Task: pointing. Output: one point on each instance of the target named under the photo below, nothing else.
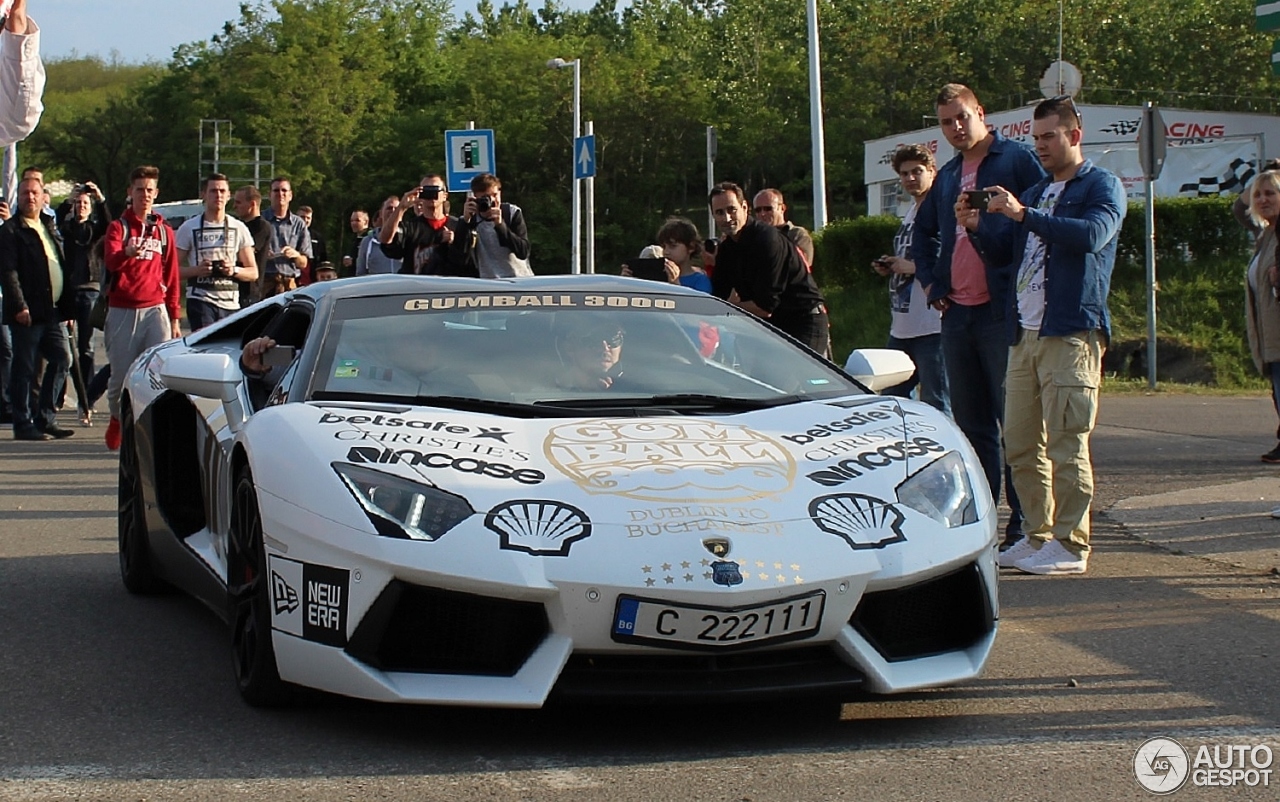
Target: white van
(175, 212)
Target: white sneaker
(1022, 549)
(1052, 559)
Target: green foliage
(354, 95)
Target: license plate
(689, 626)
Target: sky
(137, 30)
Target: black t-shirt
(765, 267)
(260, 230)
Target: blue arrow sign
(584, 156)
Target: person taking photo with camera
(421, 240)
(215, 256)
(494, 241)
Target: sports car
(505, 493)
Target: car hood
(824, 472)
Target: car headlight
(942, 491)
(402, 508)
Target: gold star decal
(684, 564)
(777, 566)
(666, 566)
(759, 564)
(795, 567)
(688, 577)
(764, 576)
(648, 583)
(706, 574)
(705, 562)
(799, 581)
(646, 568)
(781, 578)
(670, 580)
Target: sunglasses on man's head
(1071, 103)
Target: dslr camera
(484, 203)
(220, 267)
(430, 192)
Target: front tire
(248, 587)
(136, 568)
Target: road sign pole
(575, 253)
(1151, 155)
(711, 177)
(591, 210)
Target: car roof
(397, 284)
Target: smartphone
(979, 198)
(279, 356)
(652, 269)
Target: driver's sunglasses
(1071, 103)
(588, 339)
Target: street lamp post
(575, 257)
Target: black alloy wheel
(248, 588)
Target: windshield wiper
(458, 402)
(681, 401)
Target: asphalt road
(1175, 631)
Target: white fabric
(202, 240)
(1031, 281)
(21, 83)
(910, 314)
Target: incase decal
(853, 467)
(495, 470)
(309, 601)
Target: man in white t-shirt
(1062, 250)
(215, 256)
(915, 327)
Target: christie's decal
(853, 467)
(370, 455)
(667, 460)
(859, 442)
(309, 601)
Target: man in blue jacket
(970, 286)
(1062, 248)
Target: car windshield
(571, 350)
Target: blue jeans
(49, 340)
(931, 371)
(976, 351)
(202, 313)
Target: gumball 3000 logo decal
(661, 461)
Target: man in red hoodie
(144, 301)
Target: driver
(590, 348)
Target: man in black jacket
(762, 272)
(38, 296)
(423, 239)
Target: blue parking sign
(467, 154)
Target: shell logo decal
(662, 461)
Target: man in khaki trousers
(1060, 259)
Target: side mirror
(214, 376)
(879, 368)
